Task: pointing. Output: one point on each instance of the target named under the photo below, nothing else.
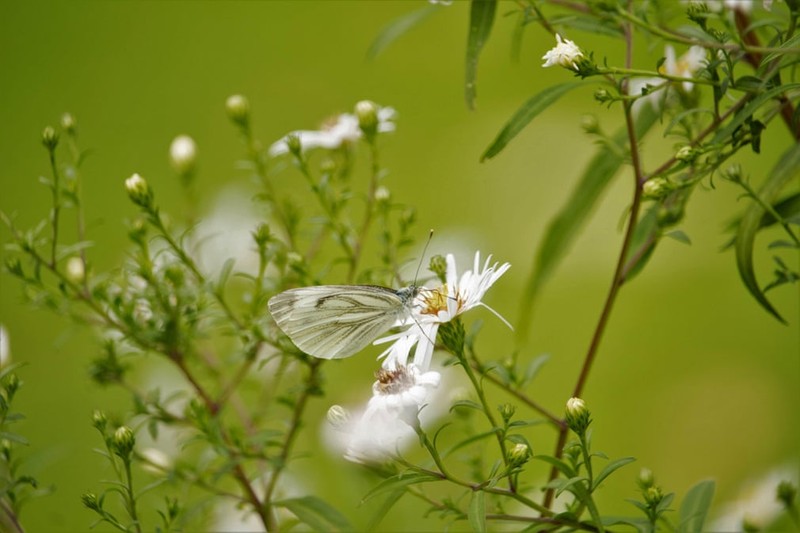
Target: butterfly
(336, 321)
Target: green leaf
(477, 511)
(791, 43)
(316, 513)
(399, 481)
(643, 243)
(695, 505)
(481, 18)
(560, 465)
(397, 28)
(679, 236)
(788, 208)
(564, 228)
(747, 111)
(533, 368)
(225, 273)
(385, 507)
(787, 168)
(610, 468)
(527, 112)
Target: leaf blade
(695, 505)
(527, 112)
(481, 19)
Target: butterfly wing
(335, 321)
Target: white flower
(564, 54)
(385, 426)
(436, 306)
(75, 270)
(5, 347)
(182, 154)
(342, 130)
(756, 502)
(685, 66)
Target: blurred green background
(693, 378)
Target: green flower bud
(438, 265)
(656, 188)
(787, 494)
(294, 144)
(577, 415)
(14, 266)
(12, 382)
(137, 231)
(507, 411)
(175, 275)
(686, 153)
(50, 138)
(367, 114)
(238, 109)
(99, 420)
(519, 454)
(262, 235)
(590, 124)
(123, 441)
(602, 96)
(139, 191)
(653, 496)
(89, 500)
(646, 478)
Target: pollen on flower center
(435, 300)
(394, 381)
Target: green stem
(56, 205)
(131, 503)
(358, 246)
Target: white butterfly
(336, 321)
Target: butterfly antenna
(422, 257)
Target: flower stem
(131, 498)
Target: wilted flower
(565, 54)
(343, 129)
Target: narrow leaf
(399, 481)
(787, 168)
(679, 236)
(747, 111)
(560, 465)
(477, 511)
(564, 228)
(610, 468)
(525, 114)
(481, 18)
(385, 507)
(316, 513)
(694, 507)
(397, 28)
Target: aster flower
(565, 54)
(386, 425)
(341, 130)
(685, 66)
(442, 304)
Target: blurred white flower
(756, 502)
(5, 347)
(74, 269)
(565, 54)
(182, 154)
(231, 516)
(155, 461)
(685, 66)
(343, 129)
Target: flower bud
(89, 500)
(507, 411)
(438, 265)
(653, 496)
(50, 138)
(338, 416)
(182, 154)
(590, 124)
(137, 231)
(646, 478)
(656, 188)
(123, 441)
(238, 109)
(367, 114)
(75, 270)
(68, 123)
(99, 420)
(602, 96)
(262, 235)
(294, 144)
(519, 454)
(139, 191)
(14, 266)
(686, 153)
(577, 415)
(5, 347)
(12, 384)
(382, 194)
(787, 494)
